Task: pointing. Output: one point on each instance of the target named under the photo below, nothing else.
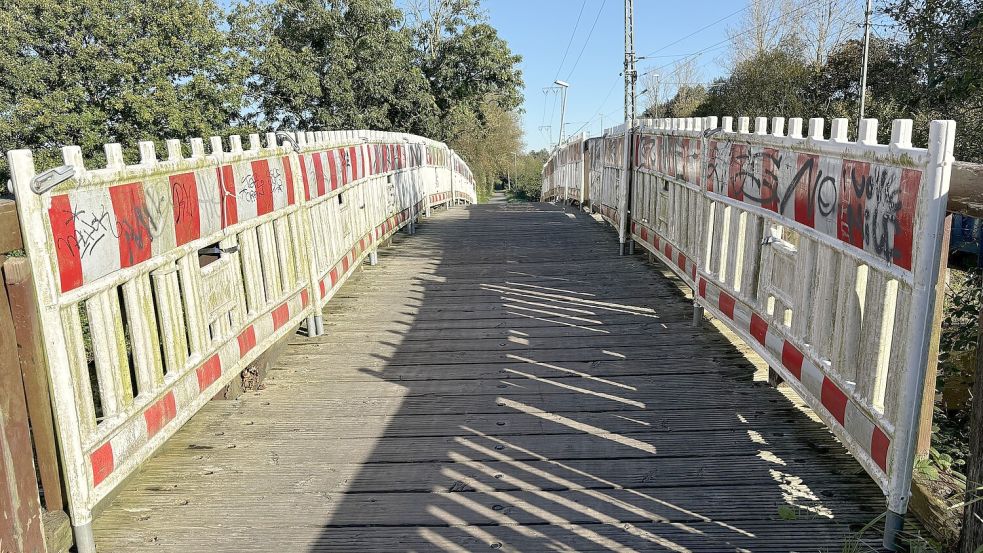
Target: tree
(486, 138)
(527, 180)
(764, 25)
(334, 64)
(432, 20)
(771, 83)
(87, 72)
(465, 62)
(829, 23)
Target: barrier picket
(820, 252)
(158, 282)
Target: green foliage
(342, 64)
(89, 72)
(767, 84)
(527, 176)
(487, 138)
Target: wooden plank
(429, 415)
(966, 189)
(10, 238)
(20, 505)
(33, 366)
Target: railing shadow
(545, 394)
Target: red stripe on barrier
(344, 264)
(323, 291)
(805, 203)
(159, 414)
(759, 328)
(263, 185)
(319, 172)
(879, 446)
(726, 304)
(342, 162)
(184, 200)
(305, 298)
(792, 359)
(834, 400)
(280, 316)
(703, 287)
(131, 223)
(288, 176)
(247, 340)
(668, 250)
(102, 463)
(353, 161)
(209, 372)
(304, 177)
(769, 179)
(681, 262)
(227, 189)
(62, 220)
(910, 180)
(850, 218)
(736, 174)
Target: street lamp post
(563, 109)
(563, 106)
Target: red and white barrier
(821, 252)
(159, 282)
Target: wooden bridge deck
(501, 380)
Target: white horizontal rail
(159, 282)
(820, 252)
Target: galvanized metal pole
(863, 71)
(563, 110)
(630, 78)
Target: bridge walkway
(502, 380)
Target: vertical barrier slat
(189, 275)
(109, 348)
(252, 276)
(145, 343)
(79, 370)
(170, 312)
(802, 295)
(822, 316)
(872, 355)
(851, 297)
(283, 249)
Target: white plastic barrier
(563, 173)
(821, 253)
(159, 282)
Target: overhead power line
(696, 32)
(587, 41)
(569, 42)
(744, 32)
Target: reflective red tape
(102, 463)
(159, 414)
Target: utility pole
(630, 74)
(626, 242)
(863, 71)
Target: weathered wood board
(438, 413)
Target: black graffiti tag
(821, 189)
(875, 215)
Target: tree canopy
(89, 72)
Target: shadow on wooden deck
(502, 381)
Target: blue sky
(539, 30)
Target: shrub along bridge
(499, 378)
